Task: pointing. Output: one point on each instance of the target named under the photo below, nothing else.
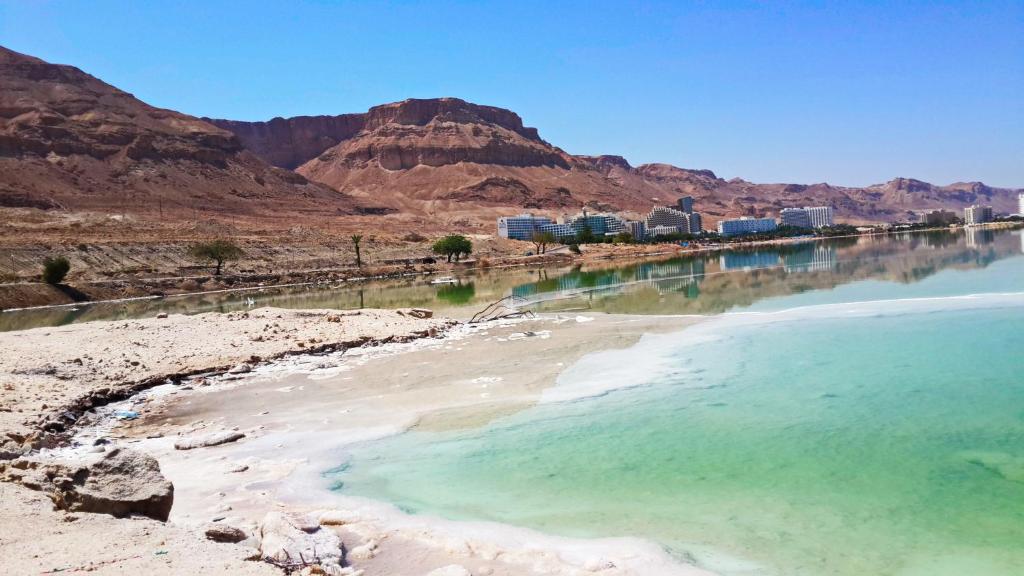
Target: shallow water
(877, 428)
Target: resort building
(599, 224)
(1020, 204)
(795, 217)
(521, 227)
(977, 215)
(807, 217)
(662, 216)
(656, 231)
(696, 225)
(746, 225)
(939, 218)
(685, 204)
(560, 231)
(637, 229)
(820, 216)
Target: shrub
(218, 251)
(574, 248)
(55, 269)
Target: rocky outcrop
(121, 483)
(291, 142)
(69, 140)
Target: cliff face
(291, 142)
(446, 155)
(69, 140)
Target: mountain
(451, 159)
(70, 141)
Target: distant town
(681, 222)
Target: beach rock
(240, 369)
(421, 313)
(364, 551)
(214, 439)
(161, 315)
(122, 483)
(337, 518)
(281, 540)
(224, 533)
(450, 570)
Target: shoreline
(592, 254)
(282, 442)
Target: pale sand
(298, 412)
(44, 370)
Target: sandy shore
(299, 412)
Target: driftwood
(500, 310)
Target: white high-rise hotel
(807, 217)
(1020, 204)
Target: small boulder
(421, 313)
(214, 439)
(224, 533)
(240, 369)
(122, 483)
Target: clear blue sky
(772, 92)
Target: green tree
(453, 246)
(585, 235)
(575, 248)
(356, 239)
(541, 240)
(623, 238)
(55, 269)
(218, 251)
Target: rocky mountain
(71, 141)
(450, 158)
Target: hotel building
(807, 217)
(745, 225)
(977, 215)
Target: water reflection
(700, 284)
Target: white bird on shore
(249, 301)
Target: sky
(852, 93)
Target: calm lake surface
(705, 283)
(858, 410)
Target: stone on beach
(337, 517)
(122, 483)
(224, 533)
(285, 540)
(214, 439)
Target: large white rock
(283, 540)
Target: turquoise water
(807, 437)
